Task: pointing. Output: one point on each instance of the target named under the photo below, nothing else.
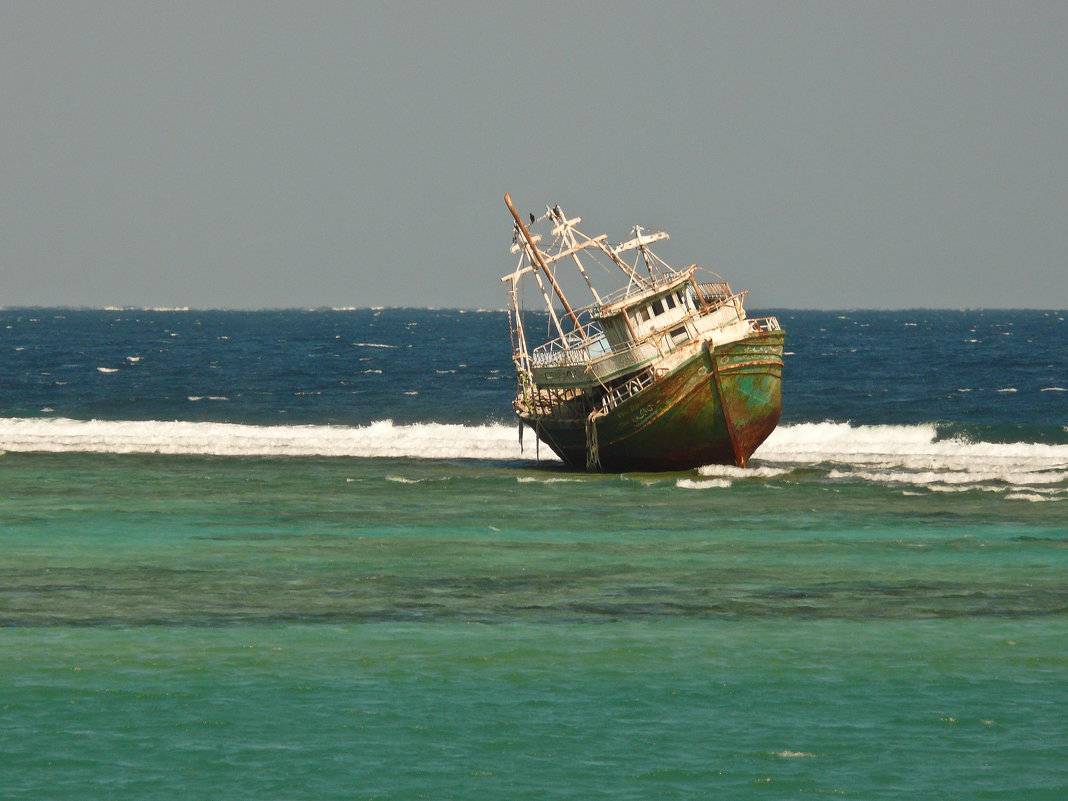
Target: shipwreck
(662, 372)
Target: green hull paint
(715, 408)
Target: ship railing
(626, 390)
(760, 324)
(710, 293)
(553, 402)
(604, 366)
(650, 283)
(576, 347)
(715, 292)
(602, 361)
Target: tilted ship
(664, 372)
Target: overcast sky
(250, 155)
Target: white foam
(912, 454)
(381, 439)
(534, 480)
(807, 442)
(730, 471)
(714, 483)
(937, 487)
(901, 455)
(951, 477)
(1032, 497)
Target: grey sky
(247, 155)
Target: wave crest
(380, 439)
(913, 454)
(893, 455)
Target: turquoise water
(303, 555)
(316, 628)
(674, 709)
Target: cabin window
(679, 335)
(670, 301)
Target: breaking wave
(381, 439)
(916, 455)
(895, 455)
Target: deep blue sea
(304, 555)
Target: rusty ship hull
(666, 371)
(716, 407)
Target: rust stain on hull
(717, 408)
(665, 372)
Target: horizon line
(483, 310)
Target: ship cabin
(643, 315)
(627, 334)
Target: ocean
(306, 555)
